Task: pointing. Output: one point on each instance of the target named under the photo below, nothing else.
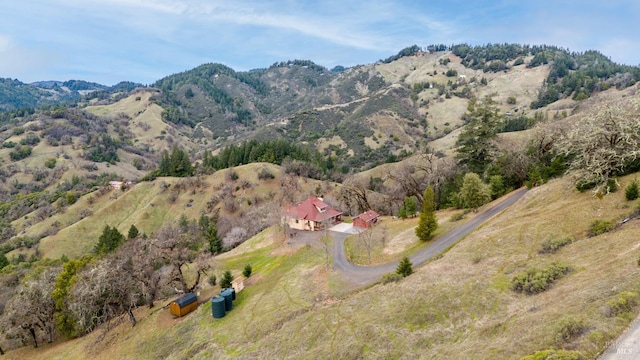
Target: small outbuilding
(184, 305)
(366, 220)
(238, 284)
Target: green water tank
(228, 298)
(218, 307)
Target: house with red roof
(366, 220)
(311, 215)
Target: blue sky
(108, 41)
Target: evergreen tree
(165, 164)
(110, 239)
(408, 208)
(226, 280)
(209, 228)
(133, 232)
(476, 139)
(474, 193)
(247, 271)
(405, 267)
(428, 223)
(632, 191)
(3, 261)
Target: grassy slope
(458, 305)
(145, 205)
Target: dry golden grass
(147, 205)
(143, 113)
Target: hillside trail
(366, 275)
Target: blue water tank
(218, 307)
(228, 298)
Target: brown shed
(366, 220)
(184, 305)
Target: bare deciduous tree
(354, 192)
(29, 314)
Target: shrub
(552, 245)
(391, 277)
(535, 281)
(612, 185)
(568, 329)
(265, 174)
(458, 216)
(632, 192)
(20, 153)
(212, 280)
(555, 355)
(50, 163)
(231, 175)
(625, 302)
(71, 198)
(247, 271)
(600, 226)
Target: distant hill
(18, 95)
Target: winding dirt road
(363, 275)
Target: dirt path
(362, 275)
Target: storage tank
(218, 307)
(228, 297)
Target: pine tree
(165, 164)
(247, 271)
(209, 229)
(476, 139)
(632, 191)
(133, 232)
(226, 280)
(405, 267)
(428, 223)
(110, 239)
(3, 261)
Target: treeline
(408, 51)
(272, 151)
(306, 63)
(580, 75)
(573, 74)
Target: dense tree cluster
(306, 63)
(102, 148)
(271, 151)
(580, 75)
(175, 164)
(203, 78)
(408, 51)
